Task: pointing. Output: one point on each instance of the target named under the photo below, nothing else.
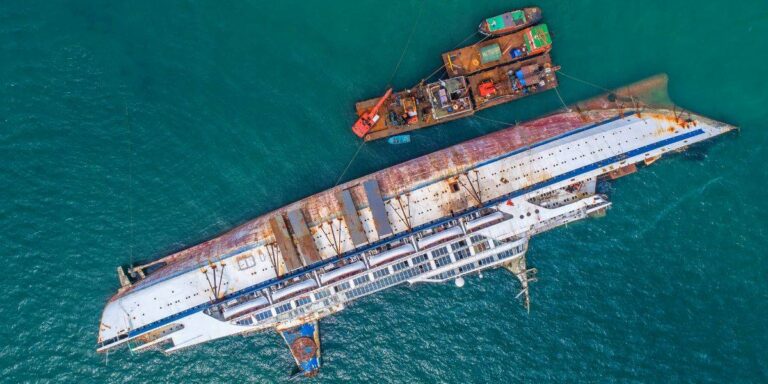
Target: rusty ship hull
(440, 217)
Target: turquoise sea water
(129, 130)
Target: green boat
(510, 21)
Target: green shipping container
(537, 37)
(490, 53)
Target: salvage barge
(482, 75)
(452, 213)
(429, 104)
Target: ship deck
(462, 94)
(419, 107)
(538, 75)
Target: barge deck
(501, 50)
(454, 98)
(512, 81)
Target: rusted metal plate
(284, 242)
(349, 213)
(376, 204)
(303, 237)
(623, 171)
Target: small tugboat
(509, 22)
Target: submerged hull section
(452, 213)
(304, 343)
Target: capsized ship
(441, 217)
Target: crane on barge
(369, 119)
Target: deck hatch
(303, 237)
(349, 212)
(284, 242)
(379, 213)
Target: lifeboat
(294, 289)
(340, 272)
(248, 306)
(391, 254)
(484, 221)
(439, 237)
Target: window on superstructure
(458, 244)
(302, 301)
(485, 261)
(380, 273)
(343, 286)
(246, 321)
(322, 294)
(400, 266)
(504, 254)
(361, 280)
(445, 260)
(461, 254)
(440, 252)
(283, 308)
(245, 262)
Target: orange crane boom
(368, 119)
